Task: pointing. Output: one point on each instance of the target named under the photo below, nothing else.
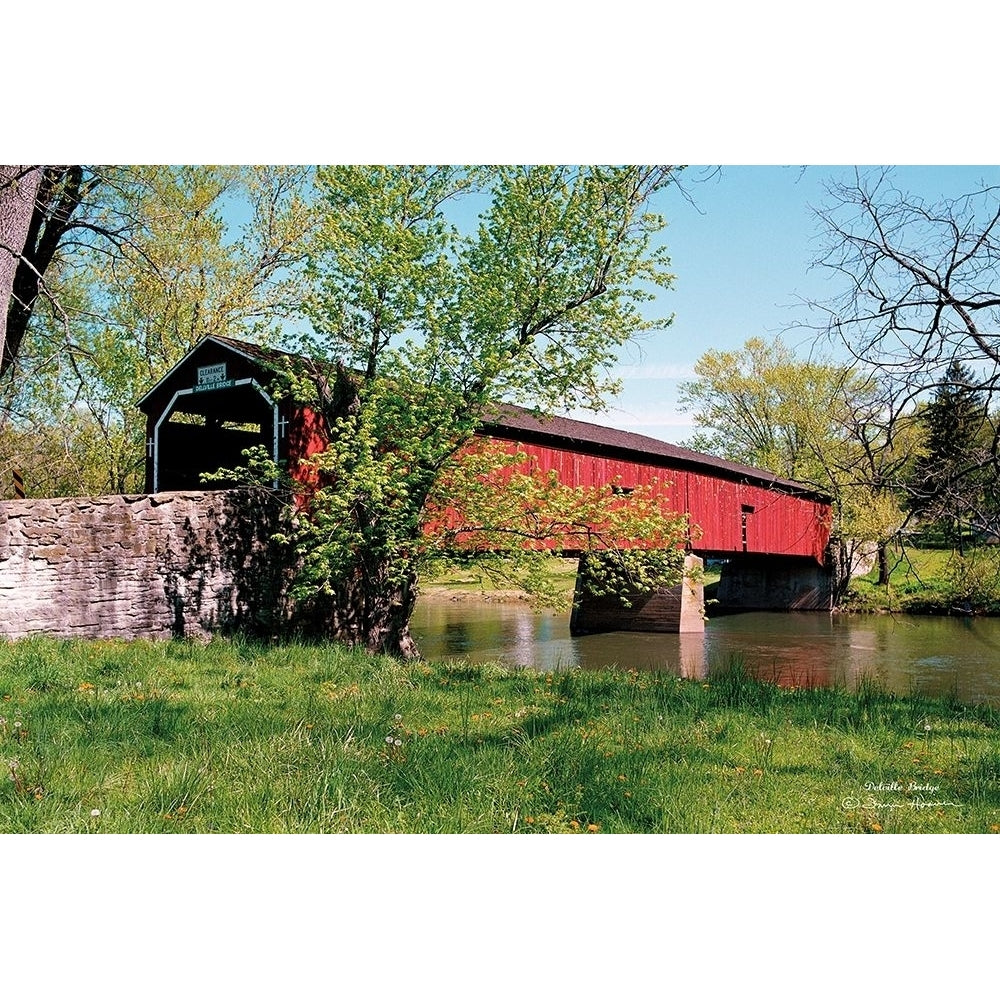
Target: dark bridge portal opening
(203, 431)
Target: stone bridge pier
(669, 609)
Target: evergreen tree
(951, 482)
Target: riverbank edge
(446, 595)
(857, 602)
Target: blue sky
(741, 240)
(741, 251)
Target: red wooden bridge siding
(736, 509)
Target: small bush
(972, 581)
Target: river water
(905, 654)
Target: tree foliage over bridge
(531, 305)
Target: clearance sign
(212, 377)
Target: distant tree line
(904, 433)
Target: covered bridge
(772, 533)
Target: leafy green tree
(842, 430)
(56, 458)
(431, 329)
(763, 406)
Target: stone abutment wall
(186, 564)
(776, 583)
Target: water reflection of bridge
(925, 655)
(482, 630)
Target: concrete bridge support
(668, 609)
(775, 583)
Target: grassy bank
(140, 737)
(460, 584)
(933, 581)
(472, 582)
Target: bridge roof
(515, 422)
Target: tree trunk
(372, 600)
(370, 609)
(838, 563)
(18, 190)
(55, 194)
(883, 564)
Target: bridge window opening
(235, 425)
(745, 511)
(622, 491)
(189, 419)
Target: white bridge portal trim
(198, 391)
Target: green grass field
(475, 580)
(141, 737)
